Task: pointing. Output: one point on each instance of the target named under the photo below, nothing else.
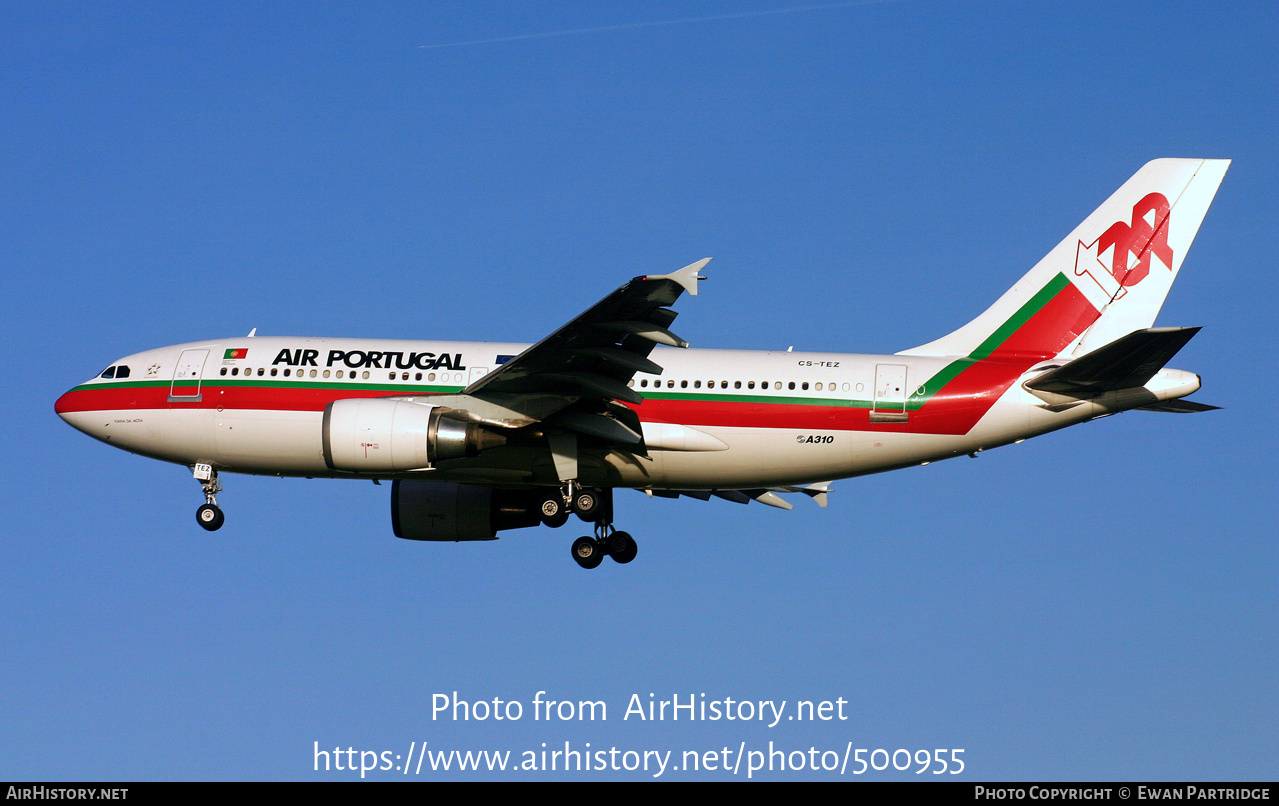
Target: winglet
(686, 277)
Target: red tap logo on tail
(1133, 243)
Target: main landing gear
(589, 551)
(592, 506)
(208, 515)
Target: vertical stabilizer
(1107, 278)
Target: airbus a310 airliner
(483, 437)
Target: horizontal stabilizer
(1179, 407)
(1126, 363)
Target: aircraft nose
(64, 404)
(73, 411)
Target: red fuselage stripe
(954, 409)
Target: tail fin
(1106, 279)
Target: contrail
(654, 24)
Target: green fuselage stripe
(992, 342)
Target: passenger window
(791, 386)
(326, 373)
(764, 385)
(274, 372)
(235, 371)
(683, 384)
(431, 377)
(417, 377)
(805, 386)
(109, 372)
(819, 386)
(750, 385)
(392, 376)
(312, 373)
(631, 383)
(697, 384)
(222, 371)
(366, 374)
(670, 384)
(286, 372)
(644, 383)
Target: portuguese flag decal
(239, 352)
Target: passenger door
(186, 377)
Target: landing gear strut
(208, 515)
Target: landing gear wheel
(210, 517)
(621, 547)
(587, 552)
(552, 511)
(587, 505)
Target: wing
(575, 375)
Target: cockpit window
(109, 372)
(122, 371)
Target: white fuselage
(255, 405)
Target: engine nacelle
(424, 510)
(376, 435)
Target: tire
(621, 547)
(552, 511)
(587, 553)
(210, 517)
(587, 505)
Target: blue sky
(1093, 604)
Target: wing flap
(621, 359)
(645, 330)
(768, 495)
(601, 427)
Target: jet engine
(424, 510)
(376, 435)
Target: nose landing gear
(209, 515)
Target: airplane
(478, 438)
